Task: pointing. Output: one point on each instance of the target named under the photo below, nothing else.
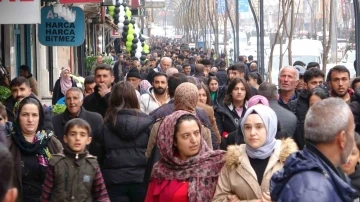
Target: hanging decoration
(134, 42)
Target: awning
(134, 3)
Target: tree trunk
(326, 44)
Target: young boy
(74, 175)
(4, 119)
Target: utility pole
(237, 48)
(205, 41)
(357, 35)
(261, 7)
(165, 21)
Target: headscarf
(41, 139)
(269, 118)
(257, 99)
(144, 86)
(186, 97)
(201, 170)
(65, 82)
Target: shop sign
(56, 31)
(115, 34)
(79, 1)
(20, 11)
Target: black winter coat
(57, 94)
(355, 179)
(94, 119)
(355, 108)
(227, 121)
(124, 145)
(300, 107)
(96, 103)
(222, 76)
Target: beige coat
(205, 132)
(238, 177)
(33, 85)
(210, 112)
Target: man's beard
(345, 155)
(339, 95)
(159, 91)
(18, 98)
(98, 86)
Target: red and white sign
(134, 4)
(115, 34)
(79, 1)
(20, 12)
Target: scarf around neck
(201, 170)
(65, 82)
(269, 118)
(39, 146)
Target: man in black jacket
(312, 78)
(20, 88)
(222, 74)
(98, 100)
(119, 69)
(74, 109)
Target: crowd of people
(182, 126)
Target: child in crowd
(4, 118)
(74, 175)
(352, 168)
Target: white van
(303, 50)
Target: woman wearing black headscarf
(31, 148)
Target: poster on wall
(20, 11)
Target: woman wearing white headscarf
(249, 167)
(64, 83)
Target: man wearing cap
(134, 77)
(301, 70)
(312, 78)
(207, 66)
(180, 60)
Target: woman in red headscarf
(188, 168)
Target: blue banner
(243, 6)
(56, 31)
(221, 6)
